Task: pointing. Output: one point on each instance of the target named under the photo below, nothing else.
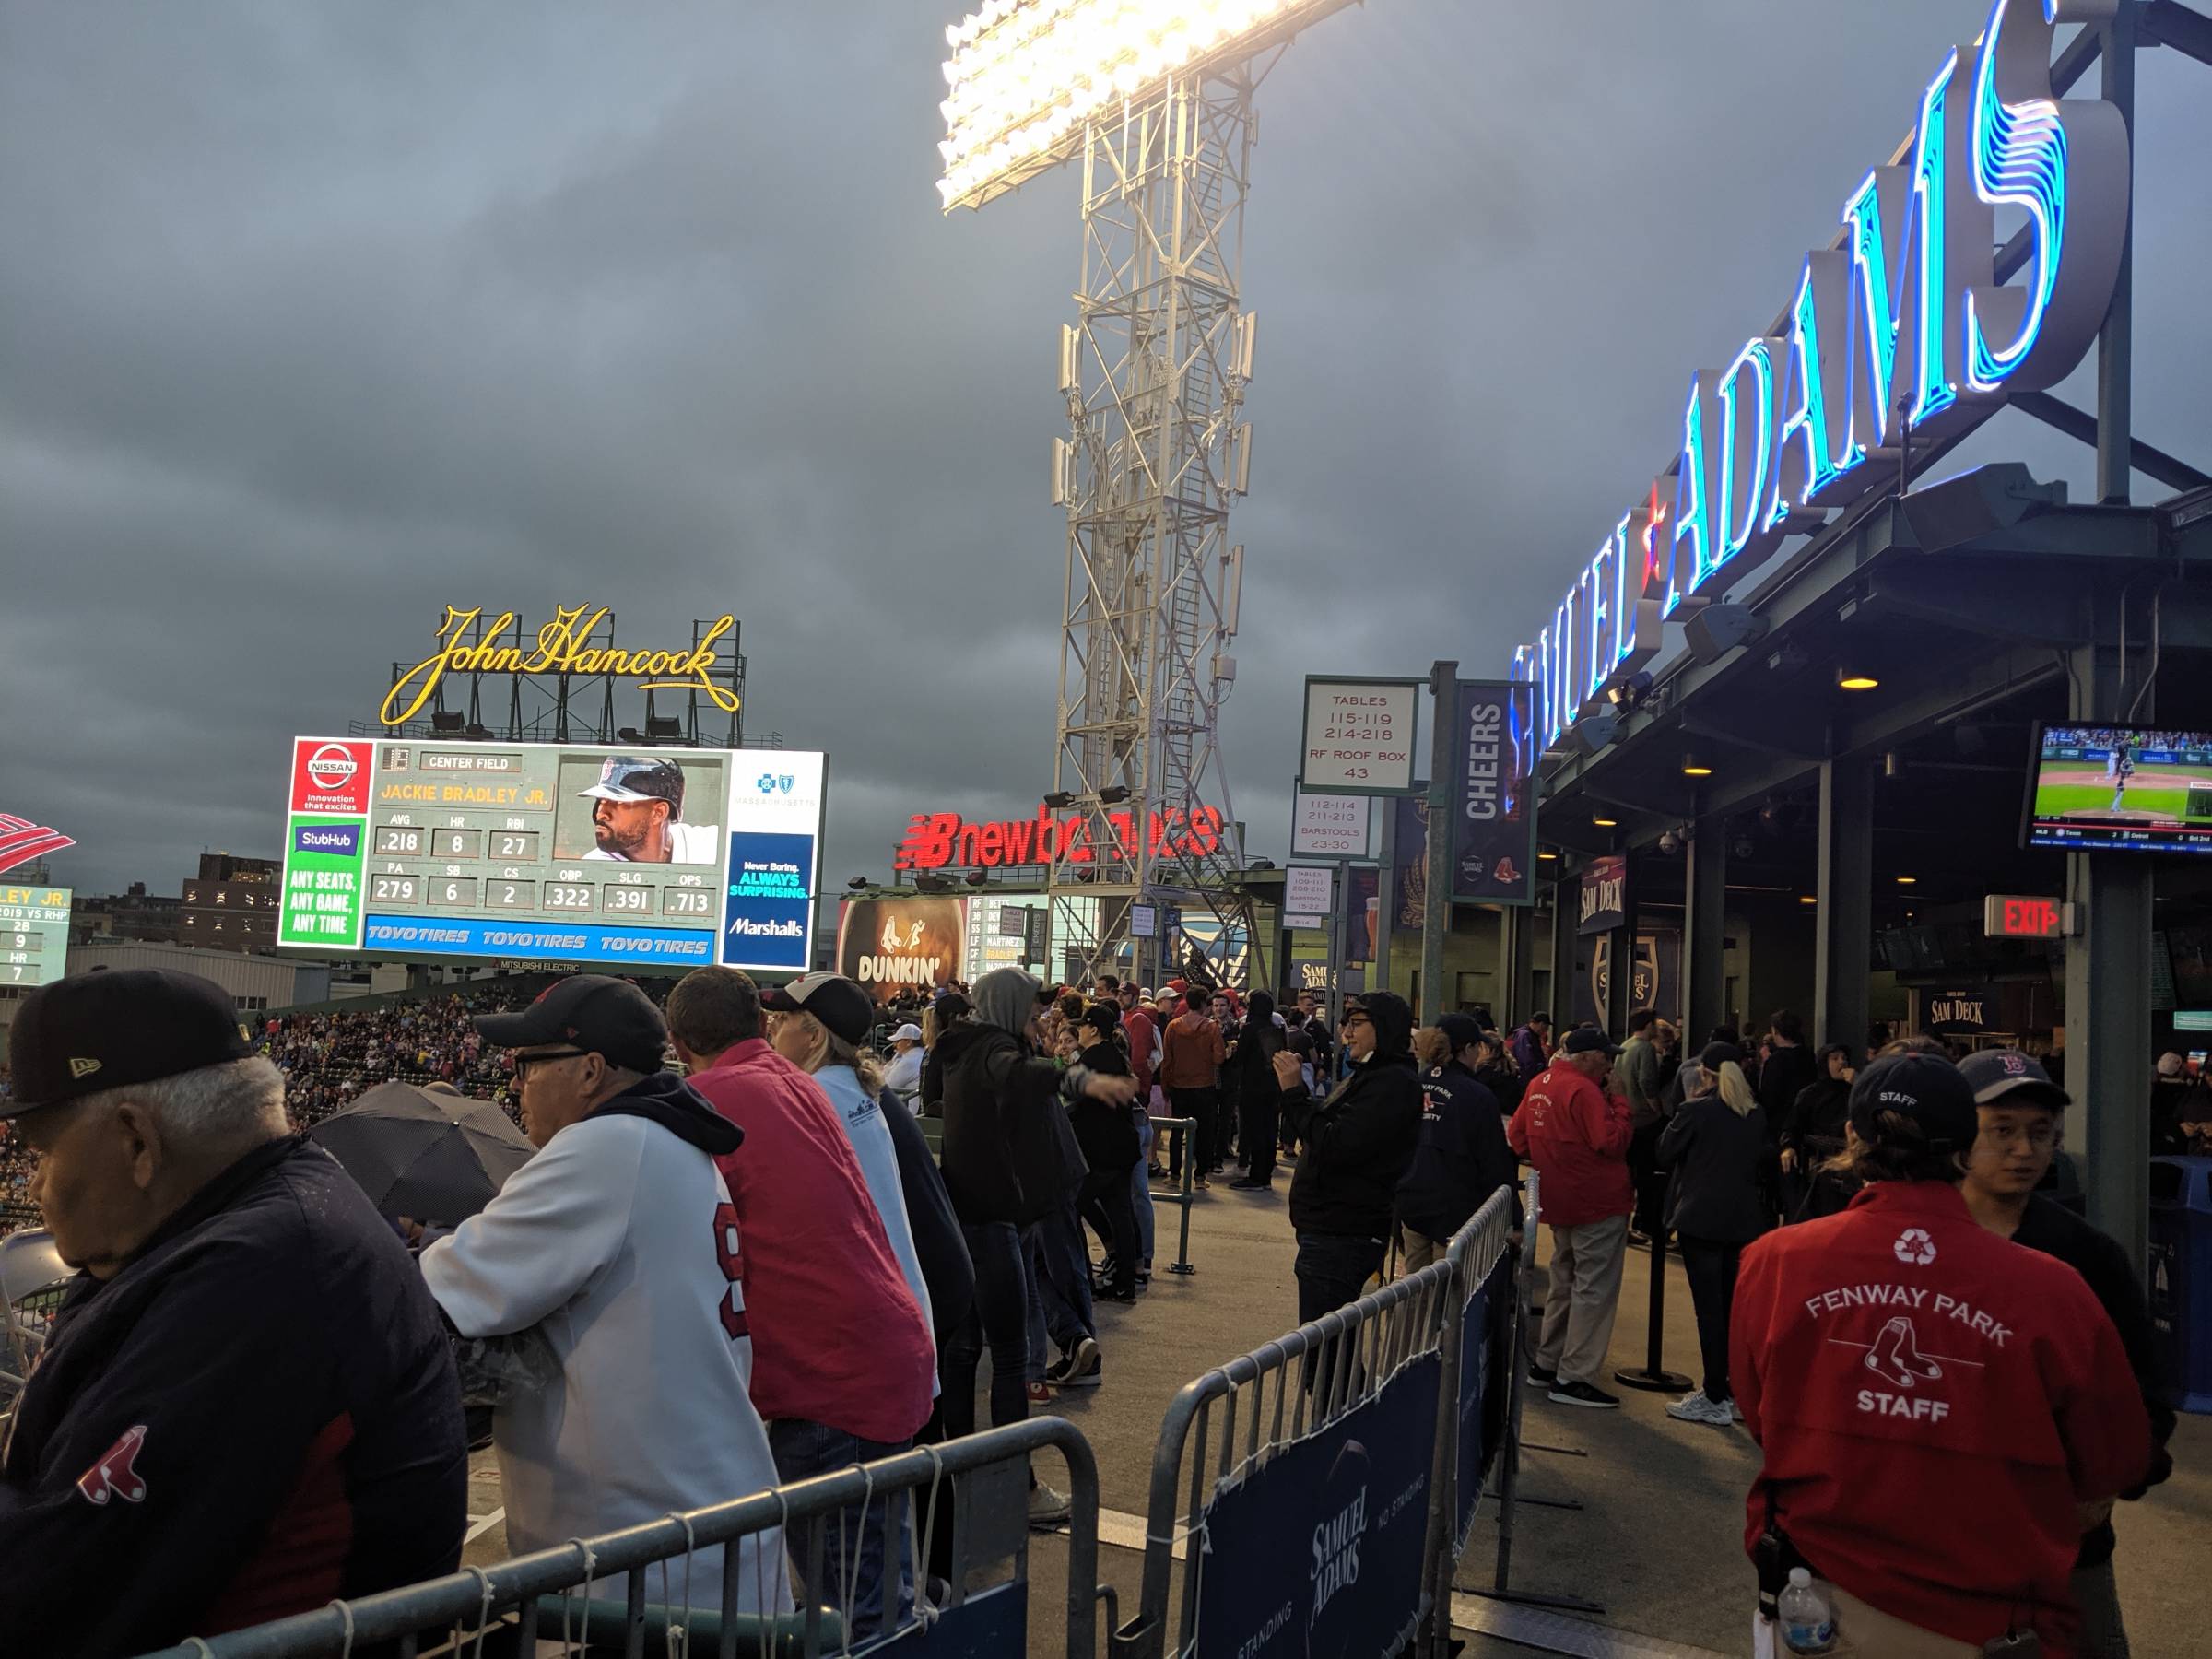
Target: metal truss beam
(2081, 426)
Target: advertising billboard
(34, 934)
(1493, 799)
(887, 946)
(565, 853)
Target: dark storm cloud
(313, 318)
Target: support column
(1436, 922)
(1520, 966)
(1386, 896)
(2116, 342)
(1614, 1016)
(1564, 909)
(1704, 930)
(1844, 925)
(2108, 1000)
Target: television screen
(2134, 789)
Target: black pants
(1199, 1105)
(1711, 1268)
(1259, 1109)
(1106, 1201)
(1332, 1270)
(1000, 1320)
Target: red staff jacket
(1934, 1403)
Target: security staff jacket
(1934, 1403)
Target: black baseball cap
(1462, 1030)
(1717, 1054)
(1588, 1040)
(115, 1027)
(1104, 1018)
(593, 1012)
(1929, 1092)
(1539, 1017)
(841, 1005)
(636, 778)
(2008, 1077)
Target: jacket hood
(1260, 1009)
(954, 1044)
(1393, 1023)
(666, 1100)
(1005, 997)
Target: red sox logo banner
(116, 1474)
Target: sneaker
(1583, 1394)
(1048, 1507)
(1086, 1365)
(1040, 1393)
(1542, 1378)
(1055, 1374)
(1696, 1408)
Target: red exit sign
(2017, 916)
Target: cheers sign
(563, 646)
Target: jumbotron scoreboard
(553, 852)
(34, 934)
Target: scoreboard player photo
(637, 815)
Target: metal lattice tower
(1154, 374)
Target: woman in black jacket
(1108, 1135)
(1716, 1144)
(1461, 1157)
(1813, 1132)
(1358, 1143)
(1259, 1097)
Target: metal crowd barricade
(525, 1606)
(1238, 1414)
(1182, 1200)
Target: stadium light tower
(1154, 98)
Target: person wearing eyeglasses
(618, 1243)
(1358, 1144)
(2021, 1113)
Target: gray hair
(235, 1100)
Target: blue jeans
(999, 1317)
(803, 1448)
(1059, 1272)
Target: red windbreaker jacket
(1577, 1136)
(1934, 1402)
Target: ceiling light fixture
(1695, 766)
(1846, 680)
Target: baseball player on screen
(637, 808)
(2119, 766)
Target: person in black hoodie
(1716, 1147)
(1460, 1158)
(1004, 1168)
(1108, 1135)
(1358, 1143)
(1259, 1097)
(1812, 1132)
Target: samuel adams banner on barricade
(1318, 1551)
(1493, 800)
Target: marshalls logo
(1914, 1246)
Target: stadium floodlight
(1151, 101)
(1026, 77)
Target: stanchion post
(1655, 1378)
(1189, 1126)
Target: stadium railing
(542, 1604)
(1228, 1423)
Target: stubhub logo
(341, 840)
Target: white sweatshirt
(619, 1240)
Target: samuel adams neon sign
(1904, 326)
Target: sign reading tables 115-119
(553, 851)
(34, 934)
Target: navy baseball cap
(115, 1027)
(1462, 1030)
(591, 1012)
(634, 778)
(2008, 1077)
(1588, 1040)
(1927, 1091)
(844, 1010)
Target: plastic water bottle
(1808, 1624)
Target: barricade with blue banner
(1317, 1547)
(1486, 1350)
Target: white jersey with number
(619, 1241)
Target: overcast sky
(316, 316)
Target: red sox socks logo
(1895, 1356)
(116, 1474)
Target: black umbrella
(423, 1153)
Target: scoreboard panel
(34, 934)
(572, 853)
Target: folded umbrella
(422, 1153)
